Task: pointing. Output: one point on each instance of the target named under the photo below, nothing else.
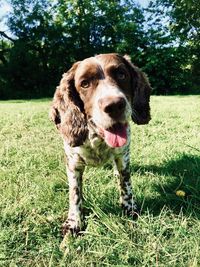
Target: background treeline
(45, 37)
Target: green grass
(165, 157)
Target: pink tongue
(116, 136)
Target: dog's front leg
(74, 222)
(122, 171)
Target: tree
(183, 24)
(29, 65)
(96, 26)
(51, 35)
(48, 36)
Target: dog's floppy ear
(140, 94)
(67, 110)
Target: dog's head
(107, 89)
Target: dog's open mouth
(115, 136)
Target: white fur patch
(104, 90)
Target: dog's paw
(71, 227)
(131, 211)
(134, 214)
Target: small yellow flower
(180, 193)
(50, 218)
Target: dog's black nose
(113, 106)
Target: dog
(91, 108)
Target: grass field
(165, 157)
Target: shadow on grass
(182, 173)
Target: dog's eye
(85, 84)
(121, 75)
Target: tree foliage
(182, 18)
(185, 23)
(47, 36)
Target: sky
(143, 3)
(4, 9)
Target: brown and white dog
(91, 108)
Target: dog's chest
(94, 152)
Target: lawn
(165, 157)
